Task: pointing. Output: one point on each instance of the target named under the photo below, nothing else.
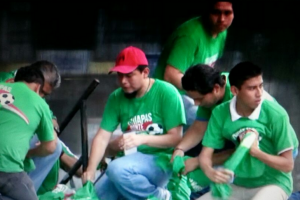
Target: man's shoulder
(222, 107)
(190, 27)
(273, 108)
(165, 86)
(117, 92)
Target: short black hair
(30, 75)
(141, 67)
(202, 78)
(209, 5)
(242, 72)
(50, 72)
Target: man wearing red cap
(150, 109)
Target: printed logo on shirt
(211, 61)
(144, 122)
(7, 100)
(239, 135)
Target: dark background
(74, 35)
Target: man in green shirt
(208, 88)
(45, 174)
(265, 173)
(200, 40)
(152, 111)
(23, 113)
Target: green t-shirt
(190, 44)
(52, 178)
(23, 113)
(7, 76)
(203, 114)
(276, 135)
(158, 111)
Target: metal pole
(77, 106)
(84, 136)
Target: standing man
(200, 40)
(23, 113)
(273, 150)
(151, 108)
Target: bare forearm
(162, 141)
(173, 76)
(205, 163)
(277, 162)
(193, 135)
(112, 149)
(42, 150)
(97, 152)
(221, 157)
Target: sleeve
(173, 113)
(213, 135)
(110, 118)
(45, 128)
(182, 53)
(283, 134)
(203, 114)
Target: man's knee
(118, 170)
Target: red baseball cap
(129, 59)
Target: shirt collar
(235, 116)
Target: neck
(145, 88)
(209, 29)
(243, 110)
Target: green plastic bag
(87, 192)
(61, 192)
(223, 190)
(178, 185)
(52, 196)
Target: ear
(37, 88)
(217, 88)
(146, 72)
(234, 90)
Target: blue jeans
(43, 165)
(190, 111)
(16, 186)
(133, 177)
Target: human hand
(87, 176)
(219, 175)
(177, 152)
(190, 165)
(132, 140)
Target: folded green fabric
(223, 190)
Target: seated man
(208, 88)
(153, 110)
(273, 150)
(23, 113)
(46, 167)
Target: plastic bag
(87, 192)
